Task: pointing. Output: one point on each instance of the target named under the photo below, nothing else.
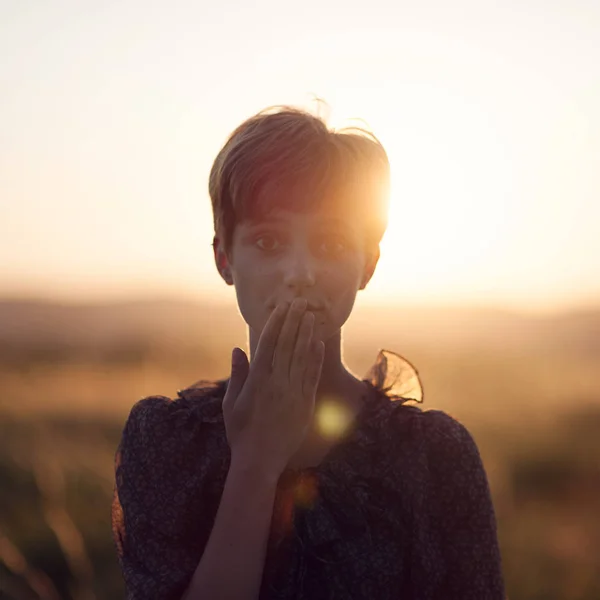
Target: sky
(112, 112)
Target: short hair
(285, 157)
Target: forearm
(232, 564)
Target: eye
(333, 245)
(266, 242)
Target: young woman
(293, 478)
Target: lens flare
(333, 418)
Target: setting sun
(452, 207)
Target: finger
(313, 369)
(263, 358)
(301, 351)
(239, 373)
(287, 339)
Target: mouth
(309, 308)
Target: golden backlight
(453, 197)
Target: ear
(222, 261)
(371, 261)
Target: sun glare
(453, 200)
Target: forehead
(321, 217)
(342, 195)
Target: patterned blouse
(399, 508)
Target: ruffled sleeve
(396, 377)
(170, 469)
(465, 556)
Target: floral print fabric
(400, 508)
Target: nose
(299, 271)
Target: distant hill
(169, 322)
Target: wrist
(255, 469)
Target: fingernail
(235, 357)
(300, 303)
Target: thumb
(239, 373)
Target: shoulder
(453, 467)
(159, 418)
(431, 444)
(169, 438)
(426, 428)
(445, 443)
(443, 429)
(173, 454)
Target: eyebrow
(335, 221)
(276, 219)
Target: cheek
(340, 287)
(250, 300)
(341, 283)
(256, 287)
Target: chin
(324, 330)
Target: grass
(536, 419)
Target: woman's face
(317, 256)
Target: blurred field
(527, 388)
